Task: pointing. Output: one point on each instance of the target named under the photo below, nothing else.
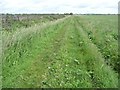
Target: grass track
(61, 55)
(95, 59)
(104, 37)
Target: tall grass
(23, 47)
(0, 51)
(104, 34)
(57, 54)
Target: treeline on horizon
(55, 14)
(11, 21)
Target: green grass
(61, 54)
(11, 23)
(104, 34)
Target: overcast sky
(59, 6)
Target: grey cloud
(44, 6)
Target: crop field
(72, 51)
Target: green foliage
(64, 53)
(11, 22)
(104, 34)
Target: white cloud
(59, 6)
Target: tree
(71, 13)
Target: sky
(59, 6)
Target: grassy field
(79, 51)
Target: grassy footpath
(68, 70)
(101, 74)
(19, 56)
(103, 32)
(60, 55)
